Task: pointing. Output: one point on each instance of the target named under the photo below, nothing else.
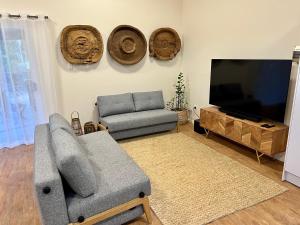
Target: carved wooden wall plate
(81, 44)
(164, 44)
(127, 45)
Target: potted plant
(179, 102)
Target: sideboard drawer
(251, 134)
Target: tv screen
(254, 88)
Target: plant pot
(182, 116)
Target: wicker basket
(182, 117)
(89, 127)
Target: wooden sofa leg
(101, 127)
(177, 127)
(147, 210)
(117, 210)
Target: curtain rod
(17, 16)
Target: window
(22, 81)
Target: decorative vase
(182, 116)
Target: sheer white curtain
(27, 78)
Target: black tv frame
(245, 115)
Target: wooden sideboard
(269, 141)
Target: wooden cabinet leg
(258, 156)
(207, 132)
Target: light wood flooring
(17, 205)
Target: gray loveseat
(86, 180)
(134, 114)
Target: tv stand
(241, 115)
(264, 140)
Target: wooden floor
(17, 205)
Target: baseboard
(292, 178)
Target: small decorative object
(81, 44)
(75, 122)
(127, 45)
(164, 44)
(179, 103)
(89, 127)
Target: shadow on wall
(134, 68)
(58, 88)
(168, 63)
(286, 38)
(95, 113)
(125, 68)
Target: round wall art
(127, 45)
(164, 44)
(81, 44)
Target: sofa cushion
(115, 104)
(148, 100)
(122, 134)
(138, 119)
(119, 178)
(73, 163)
(57, 121)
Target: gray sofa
(81, 179)
(134, 114)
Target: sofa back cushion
(73, 163)
(148, 100)
(57, 121)
(115, 104)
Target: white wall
(211, 28)
(80, 85)
(268, 29)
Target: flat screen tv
(251, 89)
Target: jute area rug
(193, 184)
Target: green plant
(178, 102)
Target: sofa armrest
(47, 181)
(51, 202)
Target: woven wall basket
(81, 44)
(164, 44)
(127, 45)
